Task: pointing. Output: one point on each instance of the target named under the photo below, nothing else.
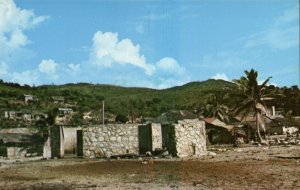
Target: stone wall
(109, 140)
(190, 138)
(16, 152)
(156, 136)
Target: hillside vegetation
(84, 97)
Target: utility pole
(103, 113)
(131, 110)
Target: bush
(121, 118)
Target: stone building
(185, 138)
(109, 140)
(190, 138)
(28, 98)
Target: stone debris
(218, 149)
(148, 153)
(147, 161)
(283, 140)
(211, 153)
(165, 153)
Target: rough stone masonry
(117, 139)
(105, 141)
(190, 138)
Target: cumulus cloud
(48, 66)
(170, 65)
(73, 68)
(220, 76)
(108, 50)
(13, 22)
(29, 77)
(170, 73)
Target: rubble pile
(284, 140)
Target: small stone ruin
(185, 138)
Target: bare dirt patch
(231, 168)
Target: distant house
(28, 98)
(218, 132)
(18, 142)
(10, 114)
(65, 111)
(58, 99)
(19, 115)
(64, 116)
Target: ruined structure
(185, 138)
(190, 138)
(108, 140)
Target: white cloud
(48, 66)
(170, 73)
(3, 69)
(170, 65)
(26, 77)
(13, 22)
(108, 50)
(283, 34)
(220, 76)
(73, 68)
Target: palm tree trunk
(262, 124)
(257, 128)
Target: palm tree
(253, 99)
(216, 108)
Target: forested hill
(84, 97)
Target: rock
(211, 153)
(239, 150)
(131, 138)
(148, 153)
(165, 153)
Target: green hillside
(84, 97)
(146, 102)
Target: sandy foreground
(252, 167)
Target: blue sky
(155, 44)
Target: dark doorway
(168, 138)
(79, 143)
(145, 138)
(55, 142)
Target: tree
(253, 99)
(121, 118)
(215, 107)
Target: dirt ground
(252, 167)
